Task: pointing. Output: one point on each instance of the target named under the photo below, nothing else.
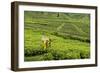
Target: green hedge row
(51, 54)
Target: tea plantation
(69, 33)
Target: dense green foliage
(69, 33)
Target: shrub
(34, 58)
(58, 55)
(27, 52)
(69, 36)
(73, 55)
(65, 54)
(48, 56)
(54, 54)
(85, 54)
(33, 52)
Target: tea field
(69, 34)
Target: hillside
(65, 30)
(72, 23)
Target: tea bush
(85, 54)
(52, 54)
(58, 55)
(33, 52)
(48, 56)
